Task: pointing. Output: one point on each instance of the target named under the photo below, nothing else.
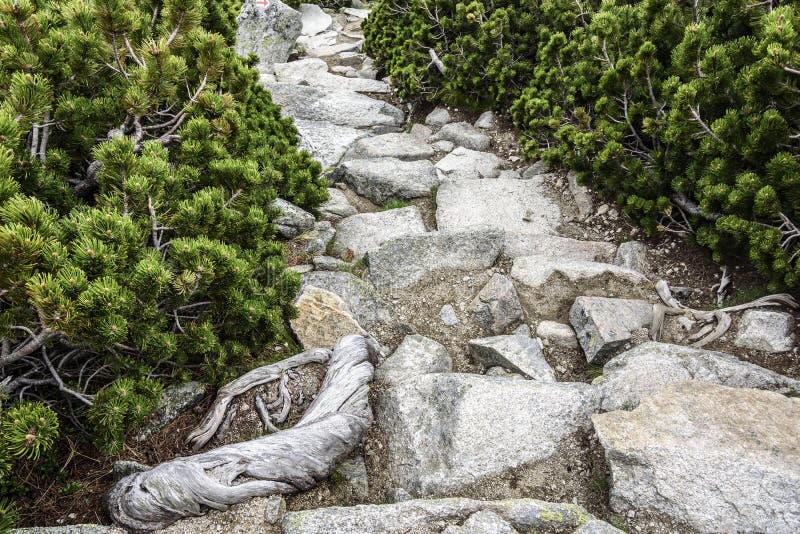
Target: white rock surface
(391, 145)
(337, 206)
(365, 232)
(268, 32)
(438, 117)
(314, 72)
(314, 19)
(718, 459)
(768, 331)
(519, 354)
(463, 134)
(325, 141)
(604, 324)
(553, 246)
(465, 164)
(486, 120)
(382, 179)
(558, 334)
(416, 355)
(293, 221)
(650, 367)
(448, 315)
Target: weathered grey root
(288, 461)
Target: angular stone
(535, 171)
(715, 458)
(548, 287)
(402, 262)
(447, 431)
(302, 268)
(496, 306)
(354, 474)
(604, 324)
(332, 50)
(416, 355)
(483, 522)
(417, 516)
(337, 206)
(650, 367)
(319, 237)
(523, 330)
(329, 263)
(443, 146)
(351, 59)
(448, 315)
(314, 19)
(174, 400)
(268, 32)
(632, 255)
(769, 331)
(362, 300)
(595, 526)
(420, 131)
(365, 232)
(509, 175)
(322, 318)
(463, 134)
(580, 195)
(294, 220)
(392, 145)
(438, 117)
(465, 164)
(559, 334)
(486, 120)
(383, 179)
(358, 13)
(553, 246)
(514, 206)
(325, 141)
(519, 354)
(314, 72)
(326, 38)
(259, 514)
(344, 108)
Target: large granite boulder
(322, 319)
(433, 515)
(447, 431)
(650, 367)
(268, 32)
(365, 232)
(402, 262)
(714, 458)
(547, 287)
(366, 305)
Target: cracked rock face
(644, 370)
(715, 458)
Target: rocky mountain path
(519, 390)
(498, 290)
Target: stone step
(465, 164)
(314, 72)
(343, 108)
(548, 287)
(366, 232)
(401, 263)
(325, 141)
(402, 146)
(382, 179)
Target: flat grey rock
(329, 263)
(319, 238)
(416, 355)
(391, 145)
(402, 262)
(268, 32)
(363, 301)
(174, 400)
(465, 164)
(293, 221)
(314, 72)
(420, 131)
(558, 334)
(632, 255)
(604, 324)
(768, 331)
(419, 515)
(650, 367)
(344, 108)
(548, 287)
(443, 146)
(715, 458)
(382, 179)
(475, 426)
(325, 141)
(486, 120)
(314, 20)
(438, 117)
(580, 195)
(87, 528)
(509, 175)
(553, 246)
(463, 134)
(332, 50)
(496, 307)
(513, 206)
(358, 13)
(337, 206)
(519, 354)
(358, 234)
(325, 38)
(354, 475)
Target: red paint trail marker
(262, 3)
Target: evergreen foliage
(139, 162)
(685, 113)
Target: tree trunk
(288, 461)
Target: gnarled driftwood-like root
(284, 462)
